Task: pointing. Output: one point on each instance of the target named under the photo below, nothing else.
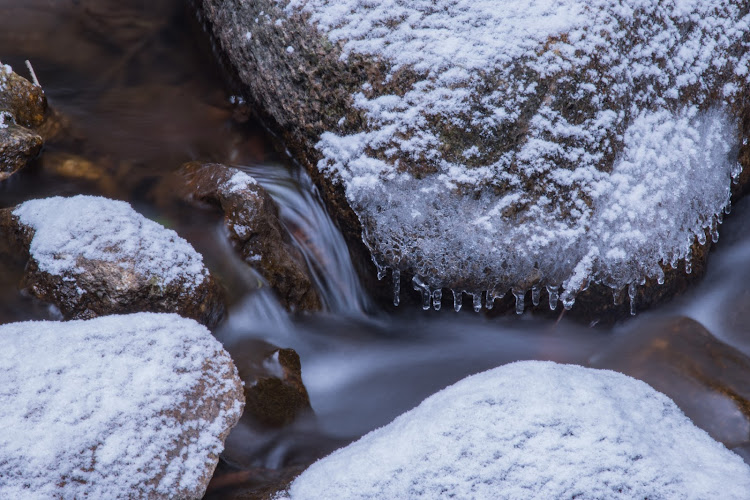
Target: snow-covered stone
(534, 430)
(92, 256)
(547, 142)
(134, 406)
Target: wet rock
(251, 484)
(93, 256)
(134, 406)
(509, 158)
(18, 146)
(253, 222)
(708, 379)
(74, 166)
(274, 390)
(22, 107)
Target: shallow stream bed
(143, 94)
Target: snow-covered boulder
(252, 219)
(539, 145)
(134, 406)
(22, 107)
(92, 256)
(534, 430)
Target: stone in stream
(255, 229)
(708, 379)
(274, 391)
(22, 108)
(533, 429)
(134, 406)
(92, 256)
(551, 144)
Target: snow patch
(534, 430)
(239, 182)
(91, 408)
(92, 228)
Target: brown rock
(709, 380)
(274, 391)
(22, 107)
(18, 146)
(253, 222)
(98, 286)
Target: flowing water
(143, 94)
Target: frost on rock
(68, 232)
(542, 143)
(534, 430)
(133, 406)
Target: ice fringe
(610, 190)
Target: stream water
(144, 94)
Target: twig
(33, 75)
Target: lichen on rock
(547, 143)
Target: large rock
(256, 231)
(708, 379)
(481, 149)
(131, 406)
(93, 256)
(22, 108)
(534, 430)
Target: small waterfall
(316, 236)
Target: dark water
(143, 94)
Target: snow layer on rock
(239, 182)
(109, 408)
(70, 231)
(534, 430)
(594, 137)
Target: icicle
(424, 288)
(382, 269)
(720, 218)
(535, 293)
(736, 171)
(675, 261)
(702, 237)
(728, 208)
(396, 286)
(660, 276)
(489, 301)
(715, 230)
(631, 294)
(519, 295)
(554, 296)
(477, 301)
(617, 294)
(457, 299)
(437, 299)
(568, 302)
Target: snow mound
(68, 231)
(538, 144)
(130, 406)
(534, 430)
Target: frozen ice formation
(544, 143)
(134, 406)
(533, 429)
